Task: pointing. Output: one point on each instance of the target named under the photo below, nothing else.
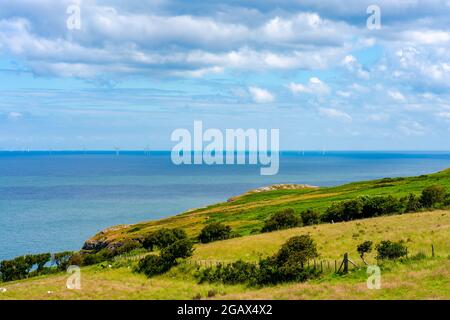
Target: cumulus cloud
(335, 114)
(397, 96)
(352, 65)
(314, 86)
(260, 95)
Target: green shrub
(179, 250)
(380, 206)
(158, 264)
(353, 209)
(310, 217)
(432, 196)
(412, 203)
(62, 260)
(364, 248)
(232, 273)
(153, 265)
(299, 249)
(282, 220)
(213, 232)
(163, 238)
(40, 260)
(345, 211)
(334, 213)
(447, 200)
(16, 269)
(127, 246)
(288, 264)
(391, 250)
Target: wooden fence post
(335, 266)
(346, 262)
(432, 250)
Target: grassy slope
(413, 280)
(247, 213)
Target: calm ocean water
(53, 202)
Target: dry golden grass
(419, 230)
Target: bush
(158, 264)
(163, 238)
(432, 196)
(447, 200)
(289, 264)
(345, 210)
(334, 213)
(391, 250)
(153, 265)
(179, 250)
(310, 217)
(127, 246)
(282, 220)
(380, 206)
(213, 232)
(16, 269)
(298, 249)
(62, 260)
(40, 260)
(232, 273)
(412, 203)
(353, 209)
(364, 248)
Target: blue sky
(137, 70)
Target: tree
(214, 231)
(364, 248)
(62, 259)
(299, 249)
(391, 250)
(40, 260)
(413, 203)
(292, 257)
(163, 238)
(153, 265)
(353, 209)
(282, 220)
(310, 217)
(180, 249)
(334, 213)
(432, 196)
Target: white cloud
(427, 37)
(314, 86)
(199, 73)
(260, 95)
(335, 114)
(397, 95)
(352, 65)
(411, 128)
(444, 115)
(344, 94)
(378, 117)
(14, 115)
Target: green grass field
(423, 279)
(247, 213)
(427, 278)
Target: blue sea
(53, 201)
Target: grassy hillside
(411, 279)
(245, 214)
(422, 279)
